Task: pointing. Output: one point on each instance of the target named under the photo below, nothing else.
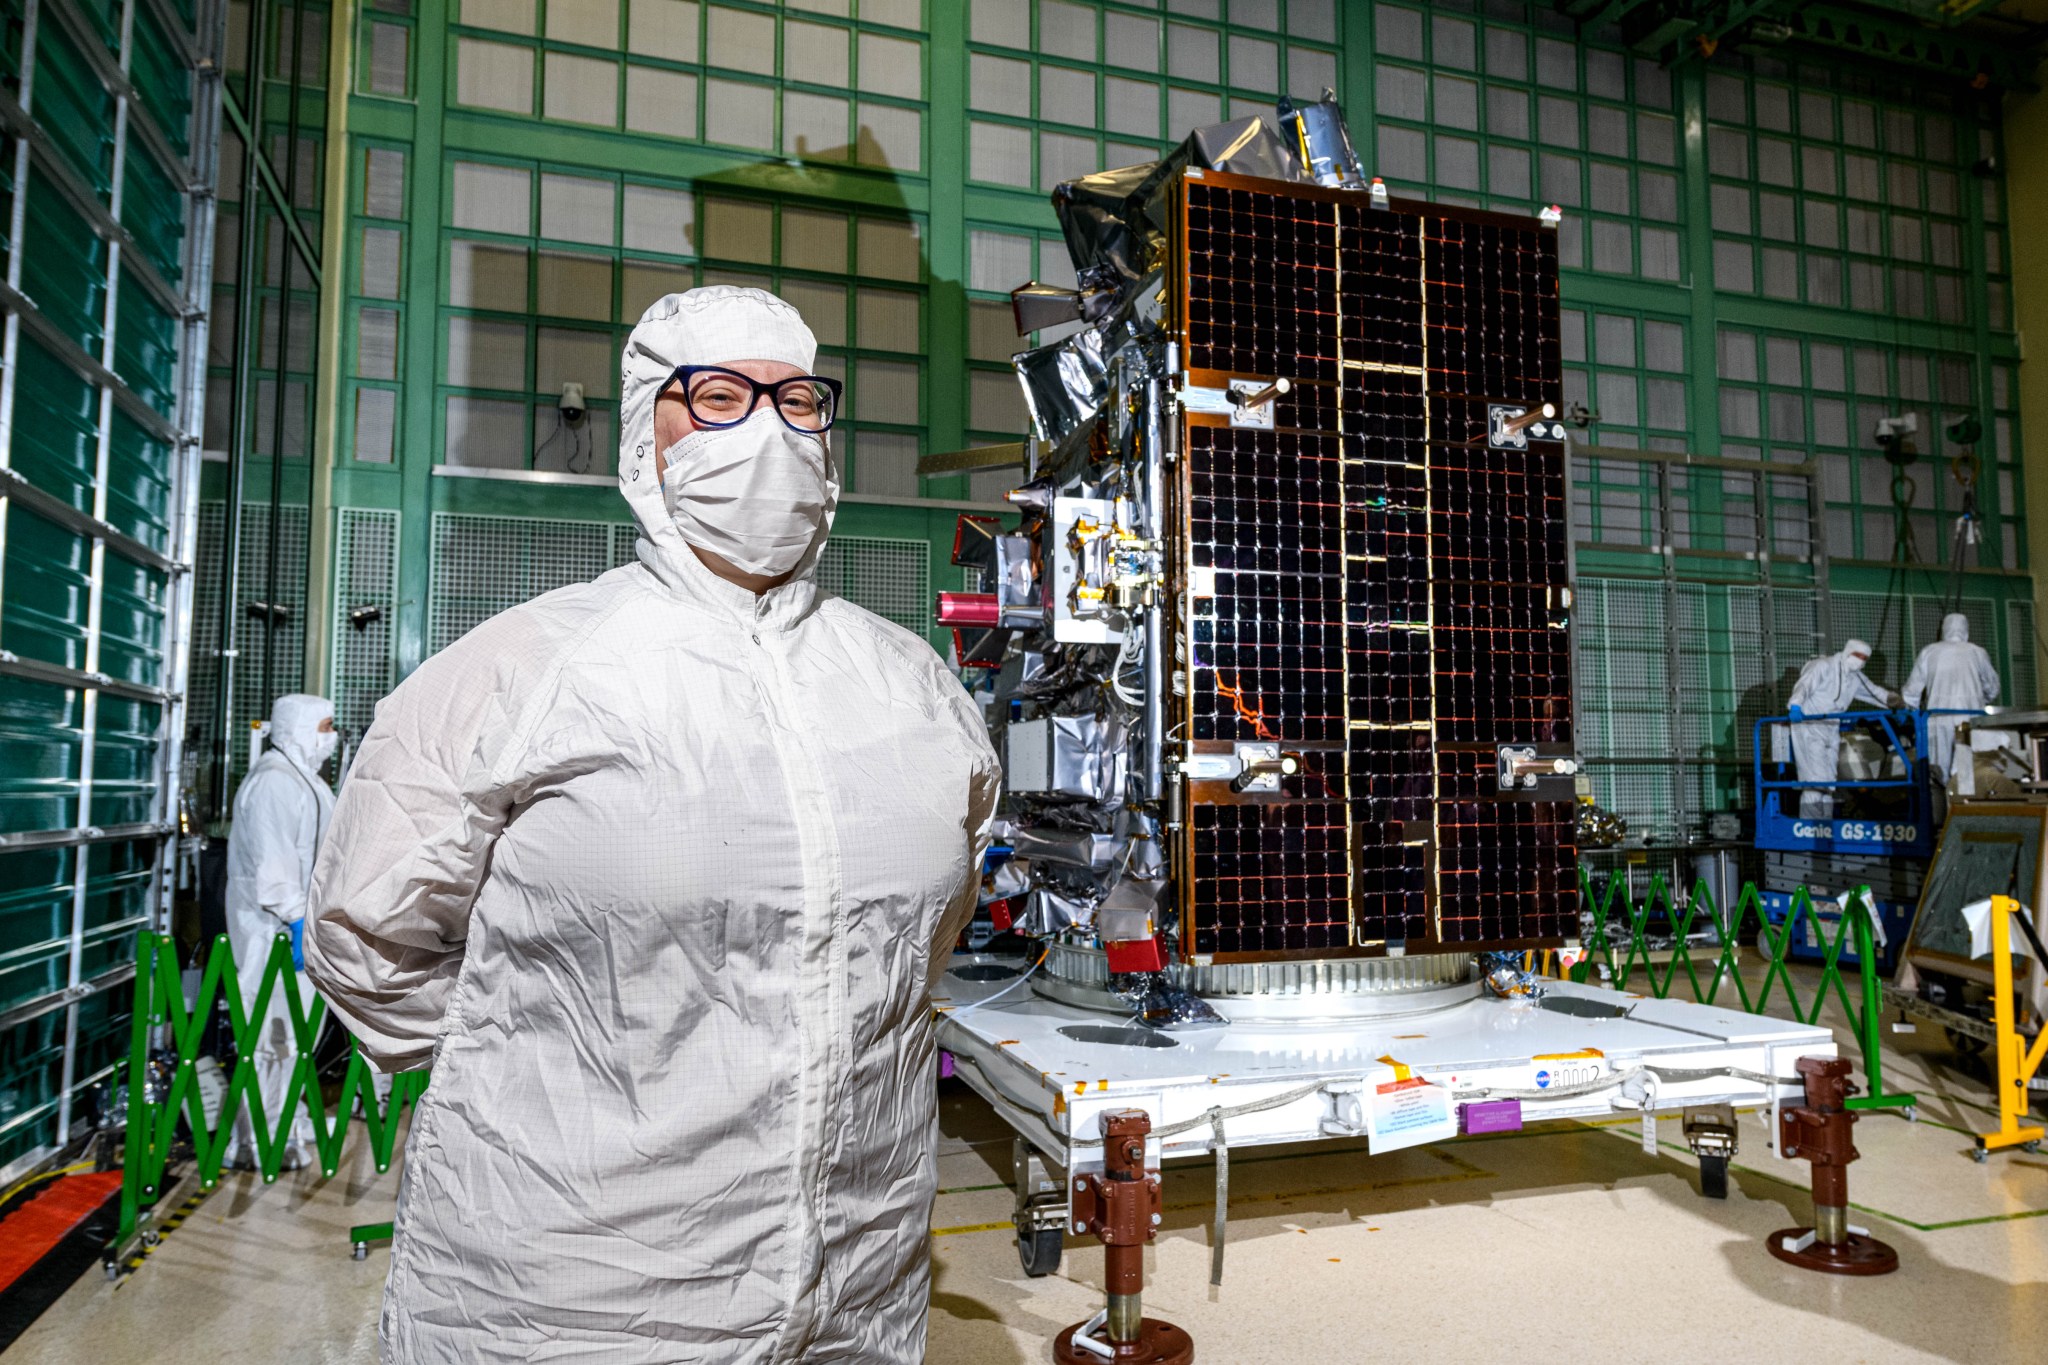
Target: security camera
(572, 406)
(1895, 438)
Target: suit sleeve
(272, 812)
(410, 844)
(1987, 678)
(985, 786)
(1916, 681)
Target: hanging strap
(1222, 1222)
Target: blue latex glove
(1798, 714)
(298, 945)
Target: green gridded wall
(1763, 256)
(108, 130)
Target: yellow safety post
(2017, 1063)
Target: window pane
(659, 220)
(377, 343)
(511, 16)
(663, 102)
(888, 391)
(814, 125)
(999, 154)
(742, 40)
(494, 76)
(376, 424)
(573, 286)
(888, 320)
(592, 23)
(486, 433)
(663, 28)
(486, 275)
(1066, 30)
(891, 66)
(739, 115)
(564, 355)
(815, 53)
(486, 355)
(999, 85)
(1131, 107)
(739, 230)
(575, 209)
(823, 307)
(383, 183)
(997, 261)
(813, 239)
(380, 267)
(889, 249)
(493, 198)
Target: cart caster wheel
(1912, 1113)
(1980, 1156)
(1713, 1177)
(1040, 1251)
(360, 1251)
(113, 1272)
(151, 1238)
(2034, 1146)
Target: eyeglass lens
(716, 398)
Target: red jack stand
(1821, 1131)
(1121, 1205)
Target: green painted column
(422, 342)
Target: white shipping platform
(1632, 1054)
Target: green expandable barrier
(160, 1001)
(154, 1109)
(1863, 1006)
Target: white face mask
(325, 742)
(756, 495)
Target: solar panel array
(1374, 584)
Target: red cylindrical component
(970, 609)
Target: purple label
(1490, 1116)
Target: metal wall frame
(135, 132)
(1693, 550)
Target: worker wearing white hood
(1827, 686)
(281, 811)
(1950, 674)
(658, 871)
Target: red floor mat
(29, 1232)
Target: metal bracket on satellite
(1248, 403)
(1511, 426)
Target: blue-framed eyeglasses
(718, 398)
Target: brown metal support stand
(1821, 1131)
(1121, 1205)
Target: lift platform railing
(1905, 826)
(165, 1047)
(1635, 953)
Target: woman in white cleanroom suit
(657, 872)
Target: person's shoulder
(508, 655)
(902, 648)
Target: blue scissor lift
(1881, 832)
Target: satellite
(1277, 651)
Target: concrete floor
(1556, 1244)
